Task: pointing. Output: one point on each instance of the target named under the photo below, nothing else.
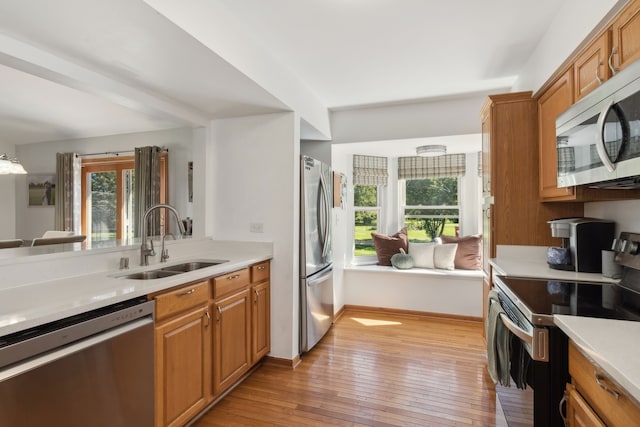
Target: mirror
(39, 158)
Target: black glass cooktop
(549, 297)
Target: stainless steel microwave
(598, 138)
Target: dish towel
(498, 342)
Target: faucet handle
(152, 251)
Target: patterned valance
(431, 167)
(479, 162)
(369, 170)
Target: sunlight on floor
(375, 322)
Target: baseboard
(283, 363)
(411, 313)
(338, 314)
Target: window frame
(402, 207)
(367, 259)
(118, 165)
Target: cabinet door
(579, 413)
(625, 35)
(232, 339)
(260, 318)
(553, 102)
(590, 69)
(183, 371)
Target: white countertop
(531, 261)
(87, 281)
(613, 345)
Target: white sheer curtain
(68, 192)
(147, 188)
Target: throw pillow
(402, 261)
(444, 256)
(387, 246)
(422, 254)
(469, 253)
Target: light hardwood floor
(372, 370)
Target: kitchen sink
(149, 275)
(191, 266)
(172, 270)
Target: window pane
(366, 222)
(365, 195)
(102, 200)
(431, 208)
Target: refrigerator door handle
(324, 217)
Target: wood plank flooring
(372, 369)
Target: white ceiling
(81, 68)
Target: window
(430, 207)
(108, 197)
(367, 213)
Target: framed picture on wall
(41, 190)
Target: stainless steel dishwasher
(94, 369)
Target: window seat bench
(452, 293)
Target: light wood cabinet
(260, 312)
(207, 336)
(555, 100)
(593, 398)
(591, 69)
(579, 413)
(182, 354)
(232, 339)
(516, 216)
(625, 37)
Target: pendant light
(10, 166)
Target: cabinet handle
(487, 213)
(598, 73)
(257, 296)
(219, 313)
(189, 292)
(235, 276)
(562, 407)
(614, 51)
(599, 381)
(261, 267)
(206, 313)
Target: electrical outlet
(256, 227)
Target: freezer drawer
(317, 308)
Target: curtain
(369, 170)
(416, 167)
(147, 188)
(68, 192)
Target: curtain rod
(115, 153)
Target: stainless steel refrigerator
(316, 269)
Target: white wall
(41, 159)
(7, 192)
(256, 180)
(624, 213)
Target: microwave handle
(602, 151)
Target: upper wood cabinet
(625, 37)
(590, 69)
(556, 99)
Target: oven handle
(516, 330)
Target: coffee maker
(583, 240)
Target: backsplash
(624, 213)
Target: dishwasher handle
(75, 347)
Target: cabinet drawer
(260, 272)
(600, 391)
(181, 299)
(231, 282)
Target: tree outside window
(367, 212)
(431, 208)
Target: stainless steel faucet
(145, 250)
